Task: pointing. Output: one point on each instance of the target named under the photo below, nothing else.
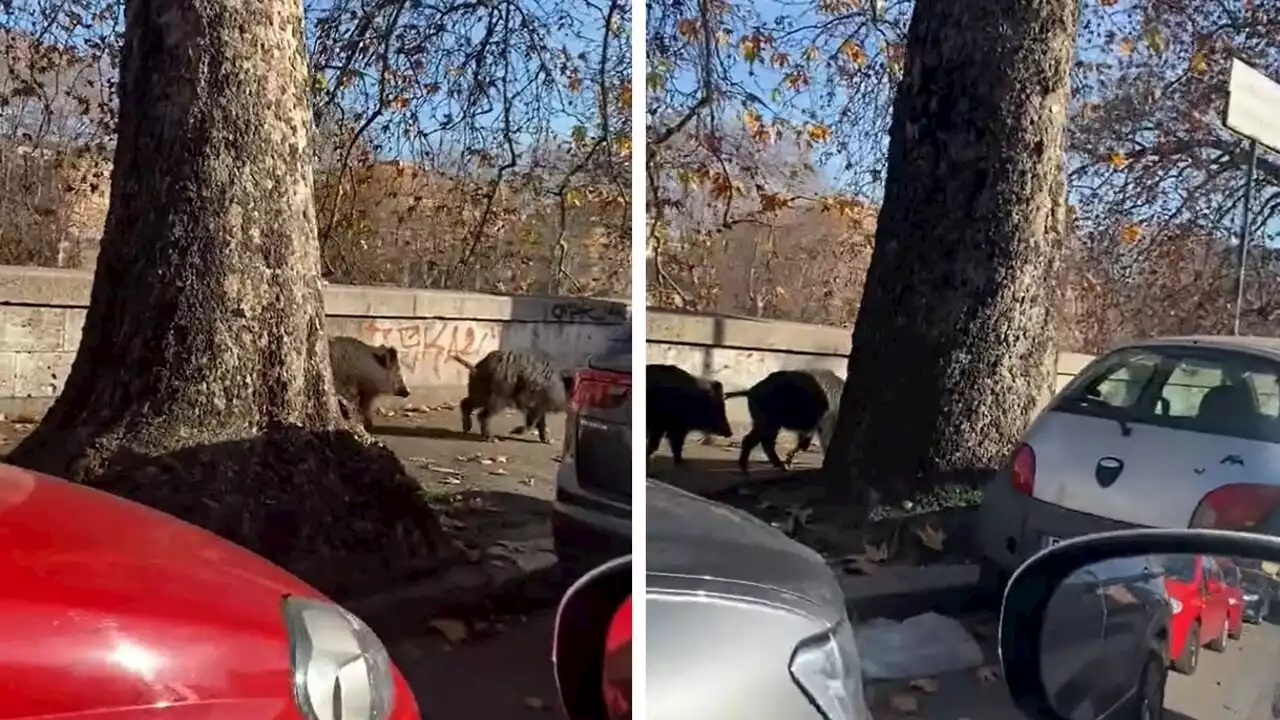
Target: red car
(1198, 598)
(112, 610)
(1235, 596)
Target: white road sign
(1253, 105)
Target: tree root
(334, 507)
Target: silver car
(591, 518)
(1167, 433)
(743, 623)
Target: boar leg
(675, 440)
(653, 441)
(769, 442)
(466, 408)
(484, 416)
(541, 424)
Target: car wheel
(1219, 643)
(1148, 702)
(1186, 662)
(1238, 632)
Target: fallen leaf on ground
(931, 537)
(529, 481)
(925, 685)
(455, 631)
(486, 461)
(904, 703)
(500, 458)
(988, 673)
(444, 470)
(799, 514)
(535, 703)
(497, 471)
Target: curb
(898, 593)
(464, 592)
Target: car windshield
(1180, 567)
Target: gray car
(1105, 640)
(1166, 432)
(591, 518)
(743, 623)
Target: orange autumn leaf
(1125, 47)
(688, 29)
(1117, 160)
(854, 52)
(818, 132)
(1130, 234)
(1198, 63)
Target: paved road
(504, 677)
(1233, 685)
(1236, 684)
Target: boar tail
(463, 362)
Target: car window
(1206, 390)
(1180, 567)
(1114, 383)
(1211, 571)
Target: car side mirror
(591, 647)
(1051, 667)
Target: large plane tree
(953, 344)
(202, 385)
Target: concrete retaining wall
(42, 311)
(739, 351)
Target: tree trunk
(202, 384)
(953, 345)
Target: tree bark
(953, 344)
(202, 384)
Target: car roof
(1266, 346)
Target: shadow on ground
(715, 476)
(443, 433)
(802, 505)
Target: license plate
(1050, 541)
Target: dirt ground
(495, 498)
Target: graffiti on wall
(425, 346)
(586, 311)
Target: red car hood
(110, 605)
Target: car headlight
(341, 671)
(1175, 605)
(827, 669)
(1250, 597)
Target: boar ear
(385, 356)
(717, 388)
